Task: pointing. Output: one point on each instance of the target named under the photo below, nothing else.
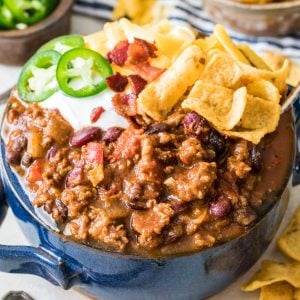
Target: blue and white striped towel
(191, 12)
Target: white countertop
(11, 235)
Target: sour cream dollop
(77, 111)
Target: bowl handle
(35, 261)
(296, 171)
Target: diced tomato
(35, 171)
(92, 153)
(128, 144)
(147, 72)
(96, 113)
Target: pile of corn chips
(276, 60)
(281, 281)
(229, 85)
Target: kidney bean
(196, 126)
(220, 207)
(74, 177)
(112, 134)
(52, 153)
(84, 136)
(13, 157)
(15, 148)
(156, 128)
(256, 159)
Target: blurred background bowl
(16, 46)
(272, 19)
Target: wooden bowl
(16, 46)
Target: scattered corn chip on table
(40, 289)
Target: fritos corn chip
(160, 96)
(277, 291)
(221, 106)
(272, 272)
(289, 241)
(229, 85)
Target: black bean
(256, 159)
(173, 233)
(220, 207)
(62, 209)
(156, 128)
(196, 126)
(217, 141)
(112, 134)
(84, 136)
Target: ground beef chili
(166, 188)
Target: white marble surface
(11, 235)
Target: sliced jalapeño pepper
(6, 17)
(63, 44)
(29, 11)
(82, 72)
(37, 81)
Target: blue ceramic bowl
(113, 276)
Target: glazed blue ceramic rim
(19, 192)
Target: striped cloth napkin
(191, 12)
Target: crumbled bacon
(140, 50)
(117, 82)
(125, 104)
(148, 72)
(119, 54)
(137, 83)
(96, 113)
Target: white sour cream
(77, 111)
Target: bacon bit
(119, 54)
(96, 113)
(137, 83)
(35, 172)
(125, 104)
(147, 72)
(92, 153)
(140, 50)
(149, 47)
(117, 82)
(128, 144)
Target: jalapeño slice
(6, 17)
(82, 72)
(37, 81)
(63, 44)
(30, 11)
